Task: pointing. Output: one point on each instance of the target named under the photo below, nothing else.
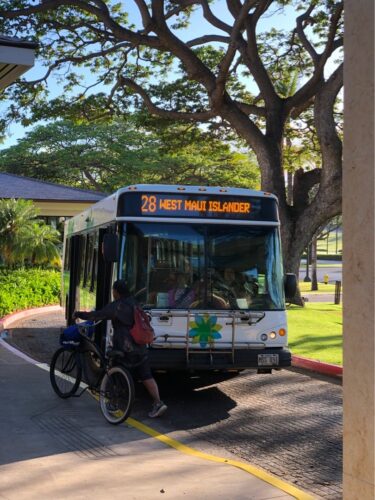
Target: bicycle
(113, 381)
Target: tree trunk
(301, 220)
(292, 251)
(290, 188)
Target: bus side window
(66, 277)
(88, 265)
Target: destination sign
(197, 205)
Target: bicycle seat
(116, 354)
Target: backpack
(142, 331)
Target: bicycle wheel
(65, 372)
(116, 395)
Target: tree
(226, 77)
(25, 238)
(15, 225)
(44, 248)
(106, 156)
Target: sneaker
(158, 409)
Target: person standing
(121, 313)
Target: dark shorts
(143, 371)
(139, 365)
(135, 355)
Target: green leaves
(106, 156)
(15, 226)
(264, 75)
(24, 288)
(24, 238)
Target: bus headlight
(264, 337)
(272, 335)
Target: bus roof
(105, 211)
(168, 188)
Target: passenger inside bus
(181, 295)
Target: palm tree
(43, 244)
(24, 237)
(16, 219)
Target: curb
(15, 316)
(317, 366)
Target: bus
(204, 262)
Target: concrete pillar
(358, 275)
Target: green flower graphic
(204, 329)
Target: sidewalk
(321, 297)
(53, 448)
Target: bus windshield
(203, 266)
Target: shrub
(25, 288)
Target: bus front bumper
(239, 359)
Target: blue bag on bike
(70, 336)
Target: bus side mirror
(110, 247)
(290, 285)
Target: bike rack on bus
(233, 318)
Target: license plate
(268, 359)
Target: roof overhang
(16, 57)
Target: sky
(198, 27)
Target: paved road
(332, 268)
(287, 423)
(334, 274)
(64, 450)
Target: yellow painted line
(173, 443)
(274, 481)
(250, 469)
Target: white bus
(206, 264)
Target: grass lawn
(315, 331)
(322, 288)
(328, 265)
(334, 246)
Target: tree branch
(102, 14)
(310, 88)
(75, 59)
(230, 54)
(145, 14)
(250, 55)
(207, 39)
(250, 109)
(332, 33)
(215, 21)
(301, 22)
(330, 142)
(155, 110)
(195, 68)
(261, 8)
